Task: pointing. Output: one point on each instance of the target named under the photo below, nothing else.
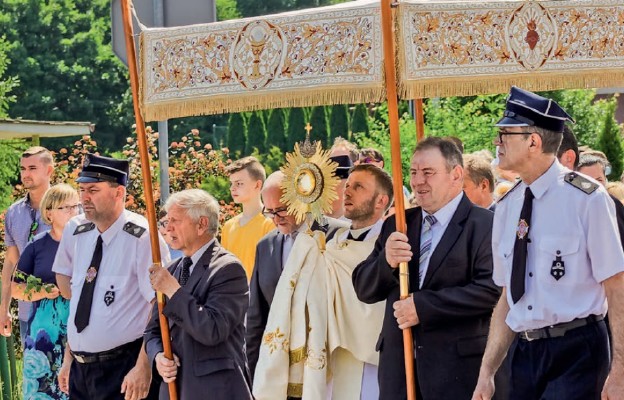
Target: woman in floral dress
(46, 336)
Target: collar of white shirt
(199, 253)
(112, 231)
(444, 214)
(548, 179)
(372, 231)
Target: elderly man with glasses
(271, 255)
(558, 258)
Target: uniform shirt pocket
(108, 294)
(563, 251)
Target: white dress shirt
(443, 217)
(123, 271)
(568, 223)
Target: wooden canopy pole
(397, 177)
(420, 120)
(147, 178)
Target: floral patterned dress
(47, 326)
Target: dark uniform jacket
(206, 319)
(454, 305)
(267, 271)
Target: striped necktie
(426, 237)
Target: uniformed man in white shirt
(558, 258)
(102, 266)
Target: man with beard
(339, 332)
(367, 196)
(102, 266)
(22, 222)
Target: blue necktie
(426, 237)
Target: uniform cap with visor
(103, 169)
(525, 108)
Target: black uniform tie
(518, 269)
(186, 270)
(83, 310)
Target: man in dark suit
(452, 295)
(207, 301)
(272, 252)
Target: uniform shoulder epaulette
(134, 229)
(86, 227)
(509, 191)
(581, 183)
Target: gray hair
(197, 203)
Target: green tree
(256, 134)
(320, 127)
(296, 125)
(359, 119)
(226, 10)
(60, 51)
(10, 150)
(237, 134)
(471, 119)
(276, 129)
(610, 140)
(338, 122)
(7, 83)
(252, 8)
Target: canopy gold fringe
(261, 101)
(471, 86)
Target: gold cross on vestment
(308, 128)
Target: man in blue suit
(207, 295)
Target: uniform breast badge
(109, 296)
(523, 229)
(558, 267)
(91, 274)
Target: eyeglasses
(163, 223)
(501, 133)
(368, 160)
(73, 207)
(280, 212)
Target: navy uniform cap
(344, 166)
(103, 169)
(525, 108)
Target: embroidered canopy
(334, 54)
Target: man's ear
(202, 225)
(458, 174)
(382, 201)
(535, 141)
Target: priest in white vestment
(319, 342)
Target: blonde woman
(46, 334)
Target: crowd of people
(513, 259)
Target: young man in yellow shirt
(241, 233)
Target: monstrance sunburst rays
(310, 183)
